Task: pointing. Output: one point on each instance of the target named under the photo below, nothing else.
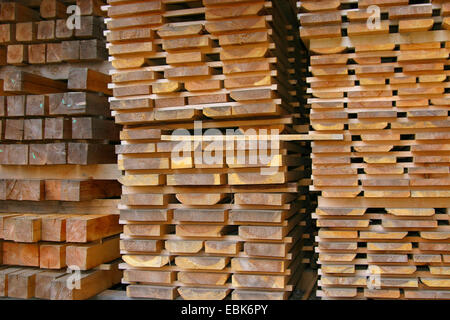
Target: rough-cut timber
(383, 211)
(208, 219)
(57, 159)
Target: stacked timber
(378, 75)
(57, 159)
(207, 216)
(47, 244)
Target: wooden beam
(7, 34)
(44, 282)
(91, 7)
(17, 54)
(21, 254)
(52, 256)
(70, 190)
(85, 128)
(31, 190)
(15, 12)
(26, 31)
(37, 53)
(14, 154)
(53, 228)
(78, 103)
(87, 154)
(33, 129)
(27, 229)
(91, 228)
(91, 283)
(52, 9)
(46, 30)
(54, 53)
(37, 105)
(58, 128)
(4, 273)
(28, 83)
(84, 79)
(15, 106)
(22, 284)
(90, 255)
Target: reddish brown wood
(54, 53)
(21, 254)
(51, 9)
(36, 105)
(17, 54)
(16, 106)
(46, 30)
(91, 128)
(26, 31)
(14, 129)
(58, 128)
(93, 227)
(52, 256)
(86, 153)
(37, 53)
(33, 129)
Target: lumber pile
(47, 244)
(207, 219)
(57, 157)
(383, 210)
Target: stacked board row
(57, 158)
(56, 128)
(378, 75)
(50, 34)
(47, 244)
(206, 215)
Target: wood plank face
(90, 228)
(57, 152)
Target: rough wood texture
(91, 228)
(56, 148)
(88, 256)
(51, 9)
(21, 254)
(70, 190)
(84, 79)
(91, 283)
(22, 284)
(44, 283)
(384, 185)
(227, 66)
(24, 82)
(52, 256)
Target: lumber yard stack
(57, 160)
(38, 248)
(383, 213)
(202, 220)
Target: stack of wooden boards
(43, 35)
(49, 243)
(384, 207)
(210, 222)
(57, 141)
